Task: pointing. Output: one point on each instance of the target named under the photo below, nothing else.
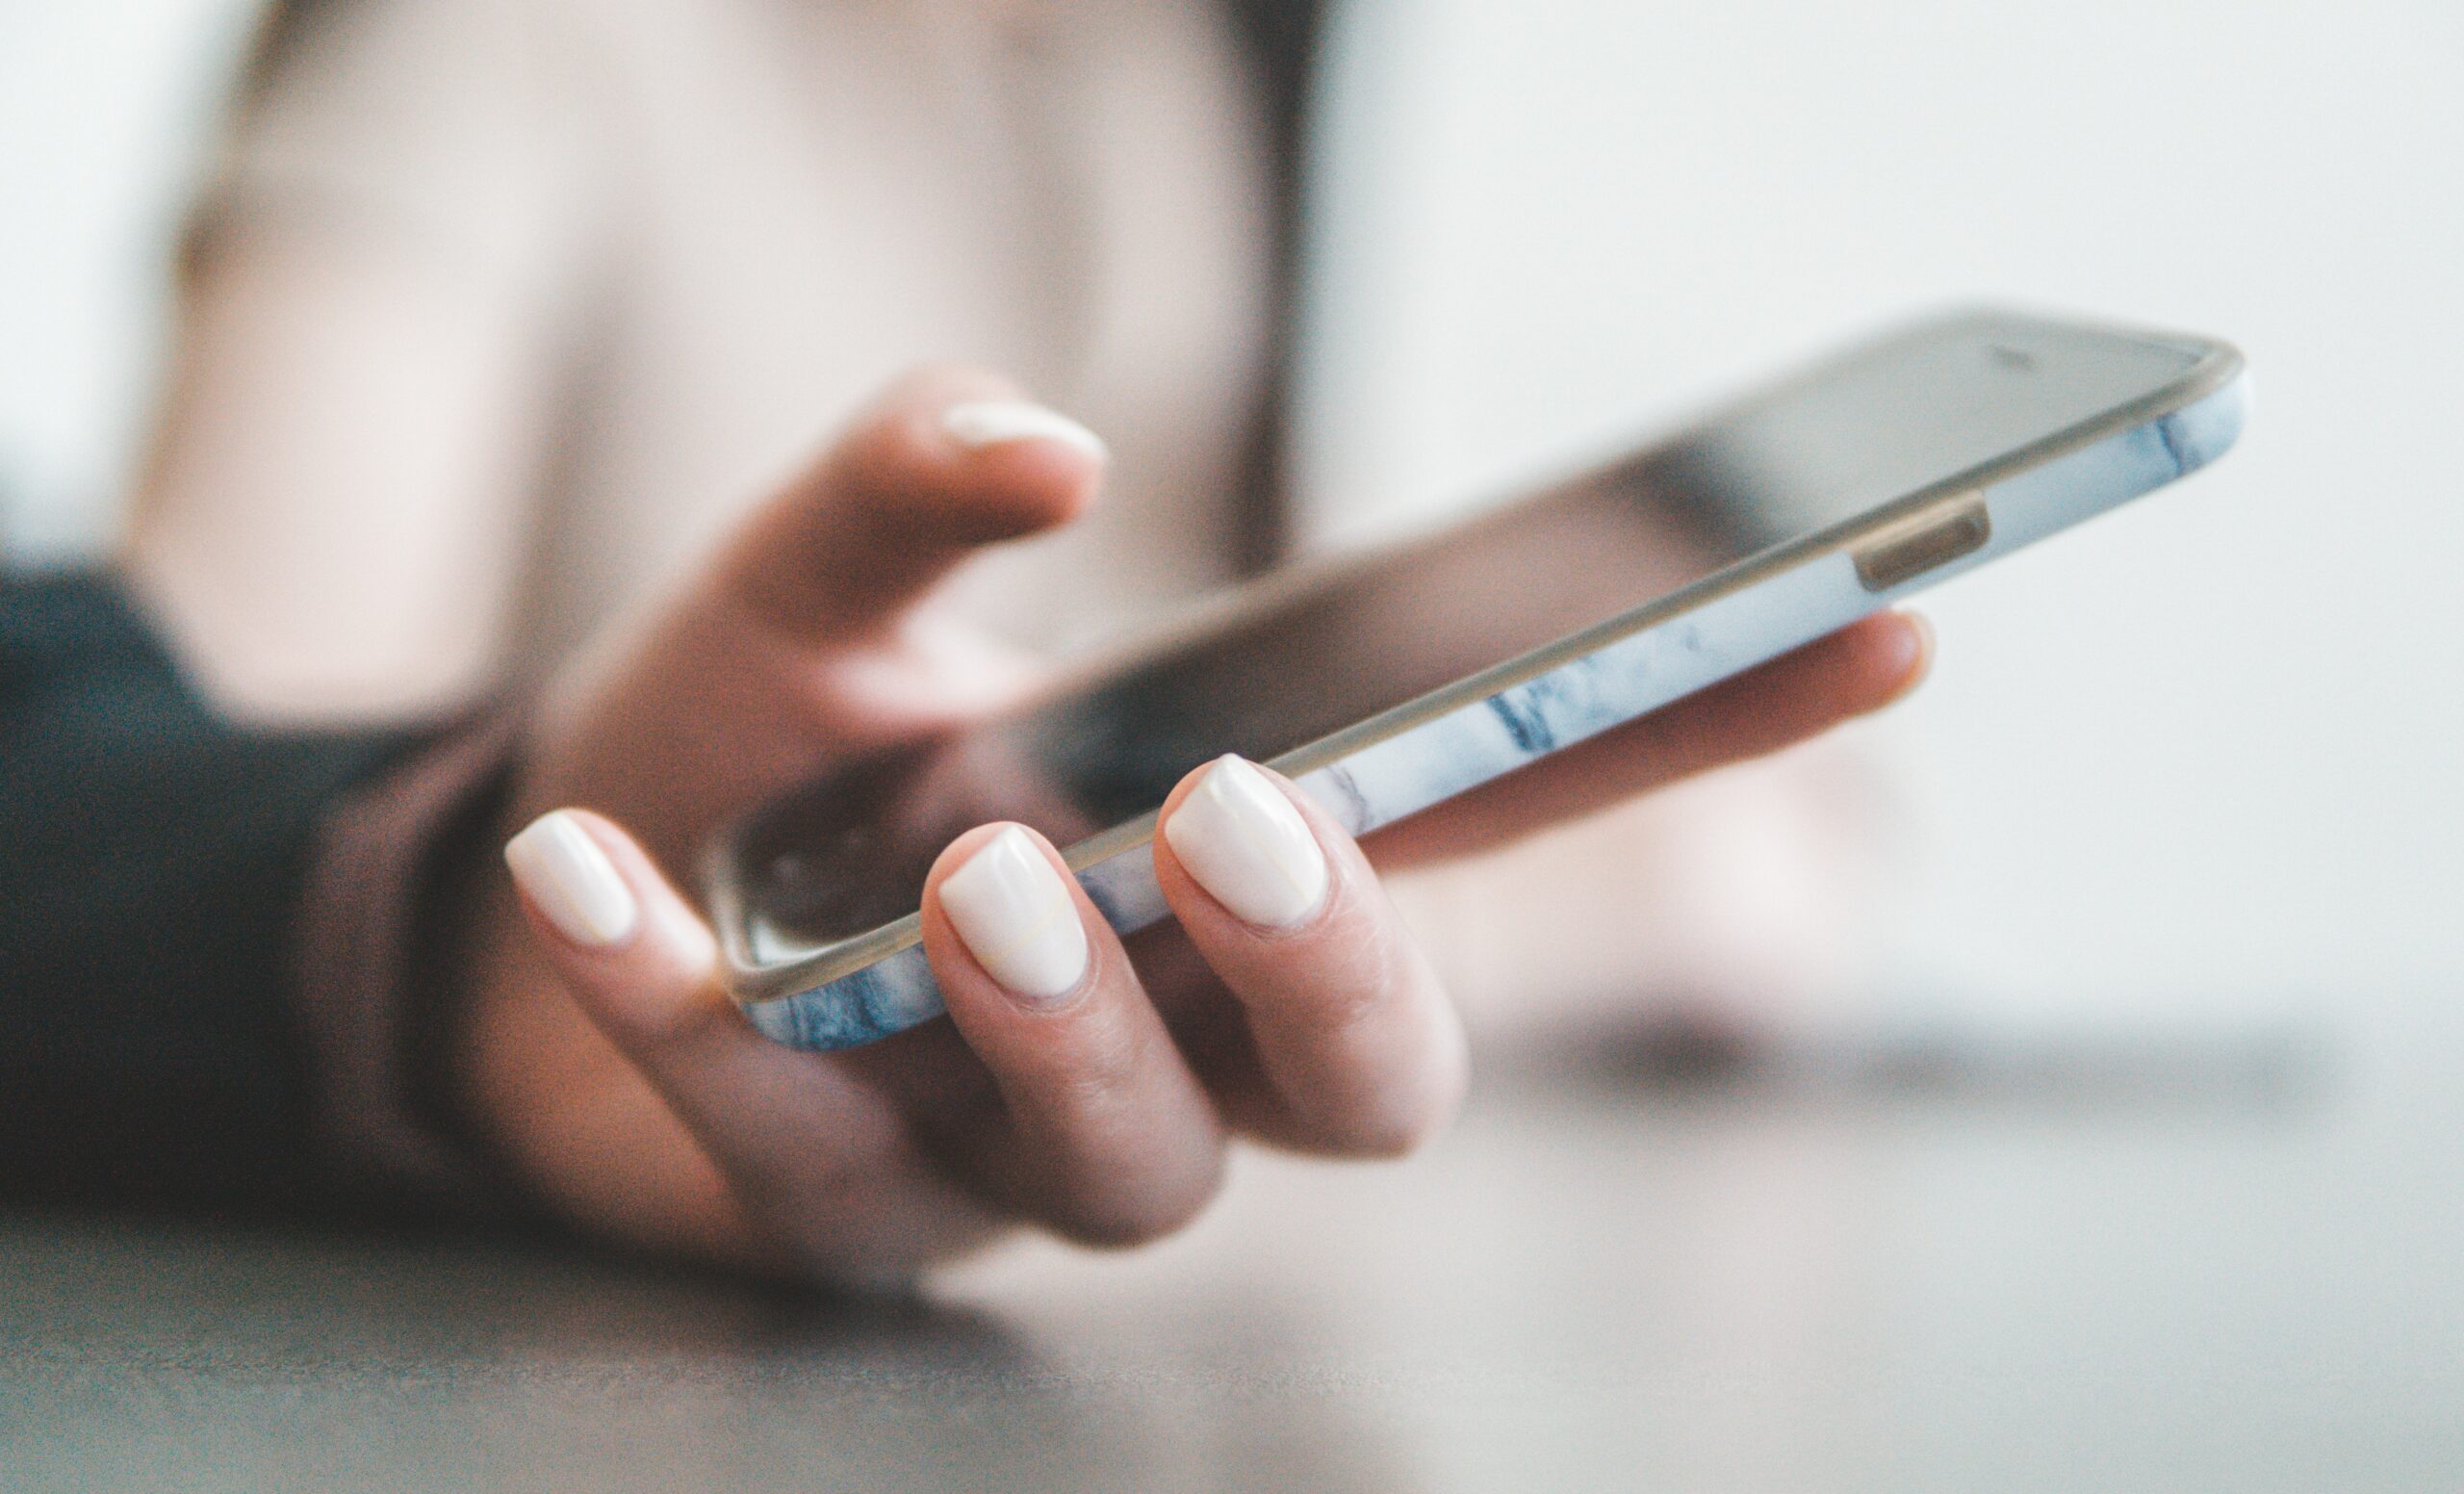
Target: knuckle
(1125, 1219)
(1112, 1231)
(1121, 1158)
(1382, 1133)
(1393, 1114)
(1399, 1133)
(1096, 1060)
(1100, 1076)
(1353, 983)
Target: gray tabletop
(1963, 1269)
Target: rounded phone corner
(2206, 428)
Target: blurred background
(2201, 753)
(2182, 794)
(2197, 760)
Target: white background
(2202, 755)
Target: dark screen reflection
(1316, 652)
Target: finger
(812, 1161)
(1101, 1131)
(804, 639)
(1861, 669)
(1359, 1048)
(947, 462)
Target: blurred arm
(376, 285)
(220, 947)
(151, 866)
(333, 515)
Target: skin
(628, 1090)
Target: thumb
(946, 461)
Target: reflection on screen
(1318, 651)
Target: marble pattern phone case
(1624, 678)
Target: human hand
(1083, 1085)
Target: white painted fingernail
(987, 423)
(564, 871)
(1017, 917)
(1245, 842)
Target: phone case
(1395, 764)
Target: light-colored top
(501, 311)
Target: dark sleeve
(155, 862)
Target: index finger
(946, 461)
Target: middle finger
(1100, 1129)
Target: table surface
(1973, 1274)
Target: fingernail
(1926, 639)
(571, 879)
(1016, 917)
(1244, 844)
(1915, 654)
(989, 423)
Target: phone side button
(1917, 544)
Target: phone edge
(1488, 724)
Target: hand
(1081, 1084)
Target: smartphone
(1386, 684)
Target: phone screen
(1317, 652)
